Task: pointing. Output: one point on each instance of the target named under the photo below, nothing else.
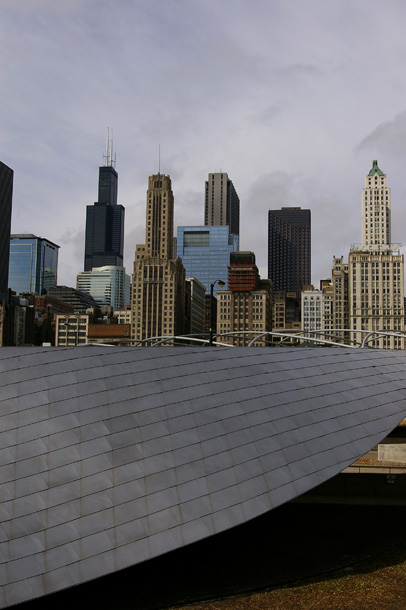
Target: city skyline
(305, 125)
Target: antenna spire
(108, 156)
(159, 158)
(112, 159)
(111, 149)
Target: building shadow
(286, 545)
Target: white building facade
(312, 312)
(123, 315)
(376, 210)
(376, 270)
(109, 285)
(71, 329)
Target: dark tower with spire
(6, 195)
(104, 243)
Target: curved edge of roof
(112, 456)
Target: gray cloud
(278, 94)
(72, 247)
(388, 138)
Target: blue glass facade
(33, 264)
(205, 253)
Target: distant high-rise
(376, 210)
(79, 301)
(340, 312)
(6, 195)
(109, 285)
(158, 287)
(33, 264)
(376, 270)
(104, 242)
(205, 253)
(289, 249)
(222, 204)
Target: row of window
(73, 320)
(376, 264)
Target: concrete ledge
(391, 452)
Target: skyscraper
(289, 249)
(158, 285)
(104, 241)
(340, 313)
(6, 195)
(376, 210)
(205, 253)
(222, 204)
(109, 285)
(33, 264)
(376, 268)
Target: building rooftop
(31, 236)
(375, 169)
(113, 456)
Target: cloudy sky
(292, 98)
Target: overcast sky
(292, 98)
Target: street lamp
(220, 283)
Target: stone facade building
(158, 282)
(286, 311)
(340, 307)
(376, 269)
(246, 307)
(71, 329)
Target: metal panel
(112, 456)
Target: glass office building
(108, 285)
(205, 253)
(33, 264)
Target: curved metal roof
(112, 456)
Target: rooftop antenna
(112, 162)
(108, 156)
(159, 158)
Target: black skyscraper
(289, 249)
(105, 222)
(6, 195)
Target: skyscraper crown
(375, 169)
